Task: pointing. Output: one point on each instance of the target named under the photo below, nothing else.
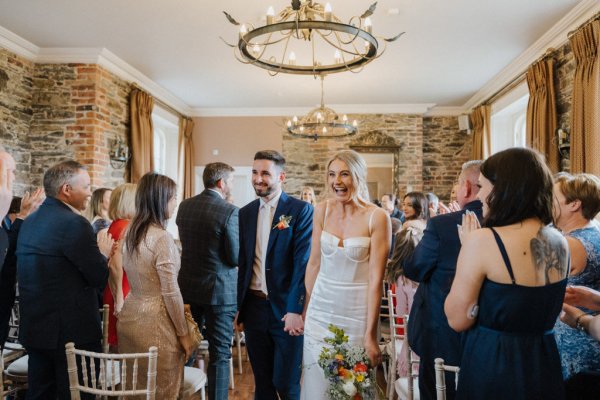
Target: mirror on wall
(380, 173)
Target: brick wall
(432, 153)
(16, 113)
(52, 112)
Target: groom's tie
(265, 230)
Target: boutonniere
(284, 222)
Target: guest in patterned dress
(153, 313)
(576, 202)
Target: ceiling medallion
(306, 38)
(321, 122)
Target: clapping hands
(469, 224)
(31, 202)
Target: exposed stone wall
(564, 73)
(15, 113)
(52, 112)
(78, 110)
(306, 158)
(432, 153)
(445, 149)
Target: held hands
(105, 243)
(294, 325)
(469, 224)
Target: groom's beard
(264, 190)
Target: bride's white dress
(339, 297)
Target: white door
(242, 191)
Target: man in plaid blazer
(208, 229)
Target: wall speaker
(464, 123)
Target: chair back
(440, 377)
(105, 310)
(398, 329)
(100, 373)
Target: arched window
(159, 151)
(520, 130)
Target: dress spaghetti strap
(504, 255)
(326, 211)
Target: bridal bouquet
(347, 368)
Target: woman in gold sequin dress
(153, 314)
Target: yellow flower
(360, 378)
(339, 357)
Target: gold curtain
(186, 157)
(585, 117)
(480, 117)
(142, 132)
(541, 111)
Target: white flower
(349, 388)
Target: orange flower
(341, 371)
(357, 396)
(360, 367)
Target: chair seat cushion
(19, 367)
(11, 353)
(194, 379)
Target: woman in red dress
(121, 210)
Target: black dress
(511, 353)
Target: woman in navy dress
(510, 283)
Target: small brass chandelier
(321, 122)
(306, 38)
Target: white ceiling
(450, 51)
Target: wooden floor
(244, 383)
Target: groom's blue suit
(276, 357)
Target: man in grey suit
(208, 229)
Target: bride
(350, 244)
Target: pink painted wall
(236, 138)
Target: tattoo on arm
(548, 252)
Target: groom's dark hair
(271, 155)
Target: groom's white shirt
(263, 230)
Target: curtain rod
(517, 80)
(589, 21)
(159, 102)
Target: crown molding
(339, 108)
(16, 44)
(99, 56)
(554, 37)
(445, 111)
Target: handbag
(193, 329)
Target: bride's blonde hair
(358, 170)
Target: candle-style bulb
(337, 56)
(368, 25)
(292, 58)
(327, 12)
(345, 118)
(270, 15)
(324, 130)
(256, 49)
(295, 119)
(289, 123)
(355, 123)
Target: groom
(275, 234)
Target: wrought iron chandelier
(306, 38)
(322, 122)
